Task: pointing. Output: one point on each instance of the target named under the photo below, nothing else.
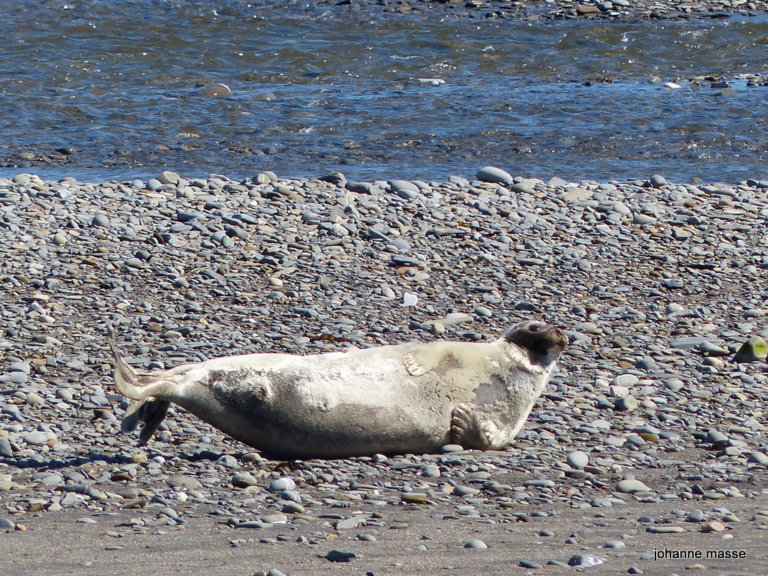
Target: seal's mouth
(560, 338)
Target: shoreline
(9, 177)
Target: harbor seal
(406, 398)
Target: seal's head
(541, 342)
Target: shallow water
(119, 85)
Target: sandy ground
(58, 543)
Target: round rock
(577, 459)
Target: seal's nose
(560, 337)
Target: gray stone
(630, 486)
(6, 524)
(658, 181)
(100, 220)
(755, 349)
(244, 480)
(625, 403)
(497, 175)
(759, 458)
(405, 189)
(340, 556)
(282, 484)
(350, 523)
(577, 459)
(15, 378)
(584, 560)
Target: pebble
(577, 459)
(658, 181)
(585, 560)
(282, 484)
(476, 544)
(755, 349)
(716, 438)
(630, 486)
(759, 458)
(626, 403)
(340, 556)
(100, 220)
(244, 480)
(6, 524)
(496, 175)
(695, 516)
(665, 529)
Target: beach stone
(626, 380)
(756, 457)
(15, 378)
(340, 556)
(475, 544)
(717, 438)
(36, 437)
(625, 403)
(100, 220)
(350, 523)
(710, 349)
(658, 181)
(665, 529)
(695, 516)
(577, 459)
(465, 491)
(228, 461)
(713, 526)
(755, 349)
(629, 486)
(405, 189)
(6, 450)
(168, 177)
(282, 484)
(585, 560)
(244, 480)
(7, 524)
(496, 175)
(577, 194)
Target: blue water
(117, 88)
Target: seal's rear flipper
(151, 412)
(146, 391)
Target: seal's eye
(534, 327)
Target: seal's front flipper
(467, 430)
(430, 359)
(415, 366)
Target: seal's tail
(146, 391)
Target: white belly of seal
(332, 382)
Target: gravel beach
(555, 9)
(649, 444)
